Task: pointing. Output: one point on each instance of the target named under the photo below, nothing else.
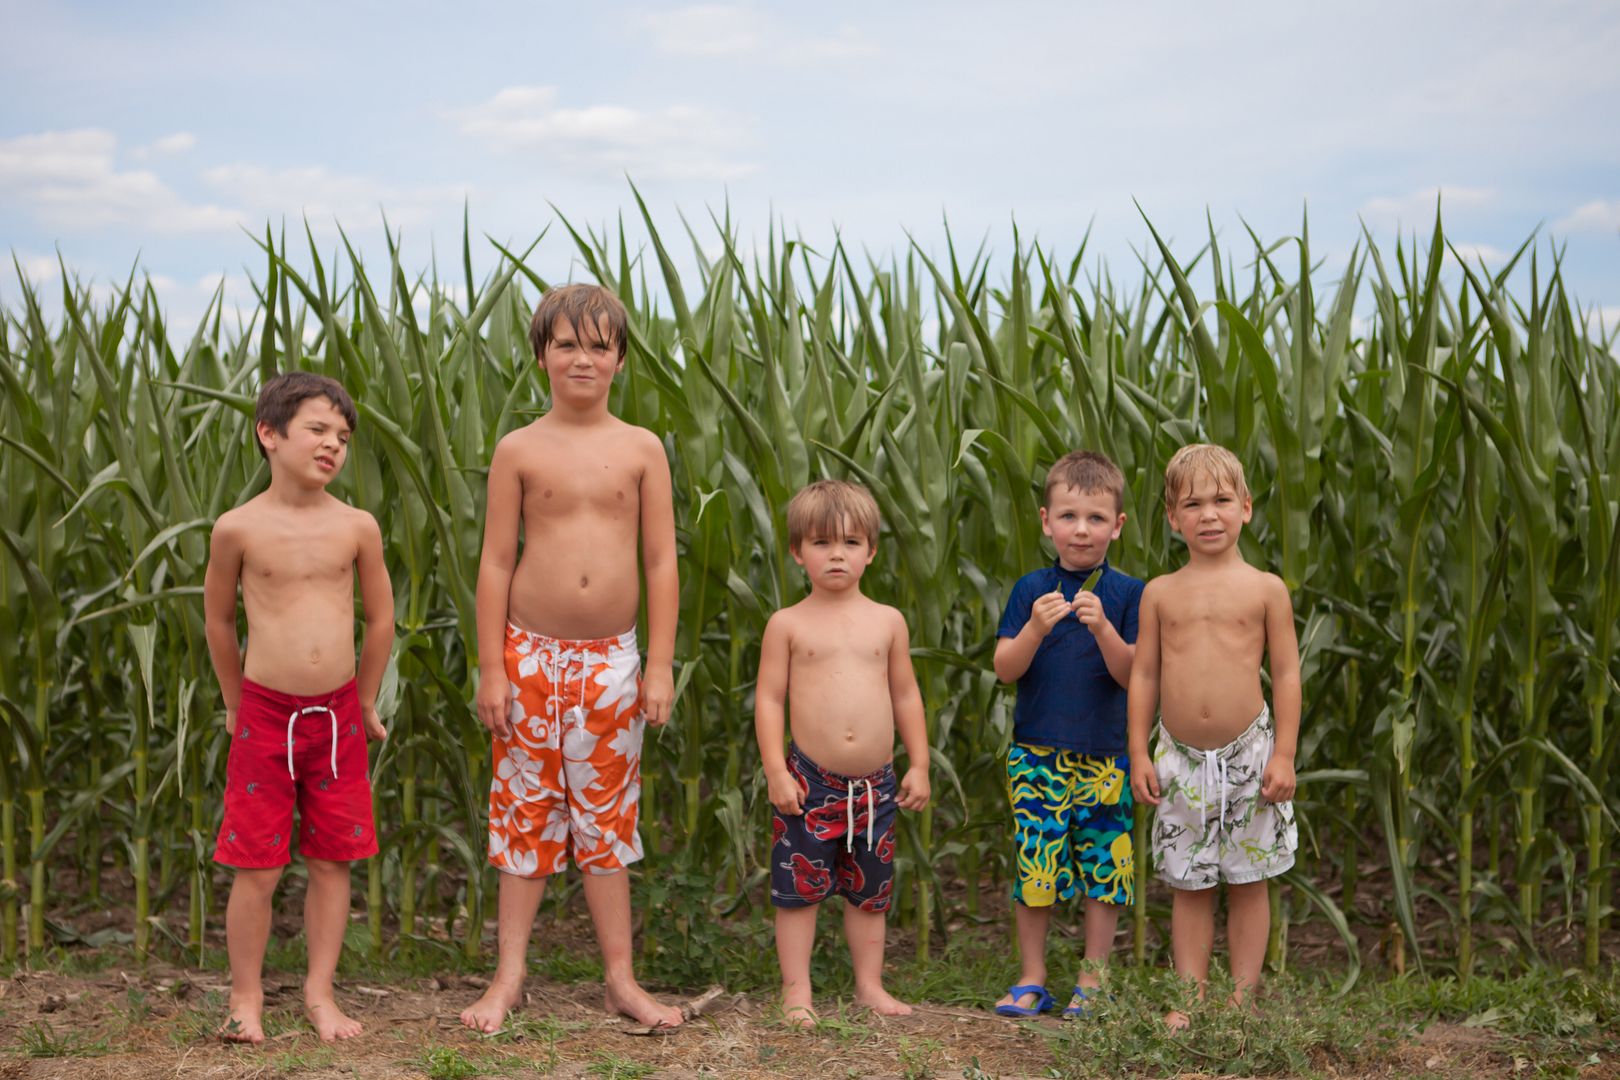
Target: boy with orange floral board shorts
(1222, 771)
(841, 664)
(559, 682)
(297, 712)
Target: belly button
(583, 581)
(314, 657)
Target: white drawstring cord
(849, 814)
(1211, 774)
(292, 717)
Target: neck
(838, 596)
(292, 496)
(1080, 569)
(1216, 561)
(573, 415)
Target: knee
(257, 881)
(326, 870)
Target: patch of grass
(612, 1067)
(449, 1063)
(40, 1040)
(294, 1062)
(917, 1058)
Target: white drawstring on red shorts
(849, 814)
(292, 717)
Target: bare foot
(488, 1013)
(797, 1012)
(330, 1022)
(1176, 1020)
(632, 1001)
(245, 1022)
(882, 1002)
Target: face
(316, 443)
(1209, 516)
(1081, 525)
(581, 369)
(836, 563)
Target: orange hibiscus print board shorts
(568, 780)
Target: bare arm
(377, 604)
(1143, 700)
(663, 584)
(1282, 649)
(1116, 651)
(219, 613)
(910, 719)
(1014, 654)
(770, 717)
(502, 510)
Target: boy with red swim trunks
(559, 683)
(841, 665)
(297, 711)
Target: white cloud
(324, 197)
(72, 180)
(1474, 254)
(1595, 216)
(1417, 208)
(167, 146)
(743, 32)
(678, 142)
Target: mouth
(326, 463)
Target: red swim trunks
(568, 781)
(323, 768)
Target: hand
(914, 789)
(495, 704)
(1144, 780)
(1089, 610)
(1277, 782)
(657, 694)
(783, 789)
(230, 722)
(1048, 611)
(374, 725)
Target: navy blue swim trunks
(843, 842)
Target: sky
(155, 135)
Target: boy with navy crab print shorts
(838, 666)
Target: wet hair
(820, 509)
(585, 307)
(280, 398)
(1196, 459)
(1088, 472)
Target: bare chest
(571, 484)
(284, 558)
(850, 650)
(1189, 622)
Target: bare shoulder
(518, 443)
(642, 445)
(361, 521)
(891, 617)
(1271, 588)
(783, 620)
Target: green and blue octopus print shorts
(1072, 824)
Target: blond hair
(820, 510)
(1188, 463)
(1087, 472)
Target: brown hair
(280, 398)
(585, 307)
(819, 509)
(1086, 471)
(1195, 458)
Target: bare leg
(1032, 924)
(519, 899)
(247, 931)
(795, 937)
(1102, 920)
(326, 916)
(1192, 936)
(1248, 923)
(865, 932)
(608, 897)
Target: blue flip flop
(1043, 1002)
(1077, 1010)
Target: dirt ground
(119, 1025)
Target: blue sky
(155, 132)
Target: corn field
(1436, 461)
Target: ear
(265, 434)
(793, 549)
(1248, 508)
(1119, 526)
(1170, 516)
(1046, 526)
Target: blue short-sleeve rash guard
(1067, 699)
